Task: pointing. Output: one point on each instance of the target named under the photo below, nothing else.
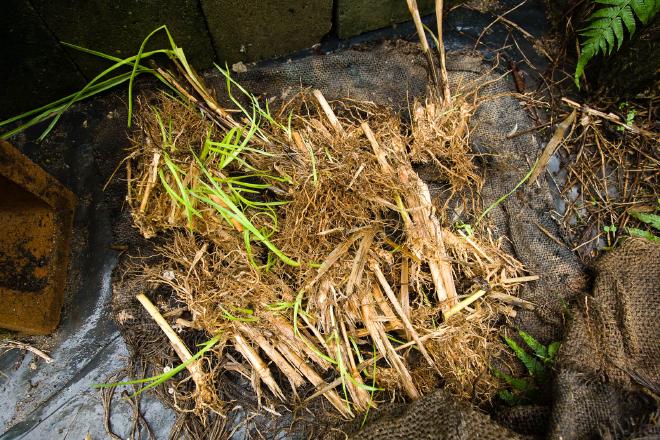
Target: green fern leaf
(520, 384)
(604, 29)
(617, 27)
(644, 9)
(604, 13)
(539, 349)
(650, 219)
(628, 19)
(634, 232)
(534, 367)
(553, 349)
(609, 36)
(509, 398)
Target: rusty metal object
(36, 217)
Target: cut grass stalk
(295, 379)
(417, 19)
(423, 229)
(463, 304)
(315, 380)
(258, 365)
(405, 290)
(180, 348)
(373, 265)
(328, 112)
(286, 329)
(444, 79)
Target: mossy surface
(249, 30)
(354, 17)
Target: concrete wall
(35, 68)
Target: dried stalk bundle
(365, 268)
(307, 240)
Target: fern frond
(649, 219)
(604, 31)
(540, 350)
(534, 367)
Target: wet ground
(56, 401)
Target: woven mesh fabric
(611, 346)
(436, 416)
(612, 349)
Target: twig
(22, 346)
(609, 117)
(529, 130)
(492, 23)
(531, 38)
(550, 235)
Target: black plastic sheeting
(56, 400)
(53, 401)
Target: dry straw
(305, 240)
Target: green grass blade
(190, 211)
(236, 213)
(157, 380)
(136, 63)
(506, 196)
(59, 106)
(232, 317)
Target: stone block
(354, 17)
(34, 70)
(250, 30)
(118, 27)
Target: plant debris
(305, 243)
